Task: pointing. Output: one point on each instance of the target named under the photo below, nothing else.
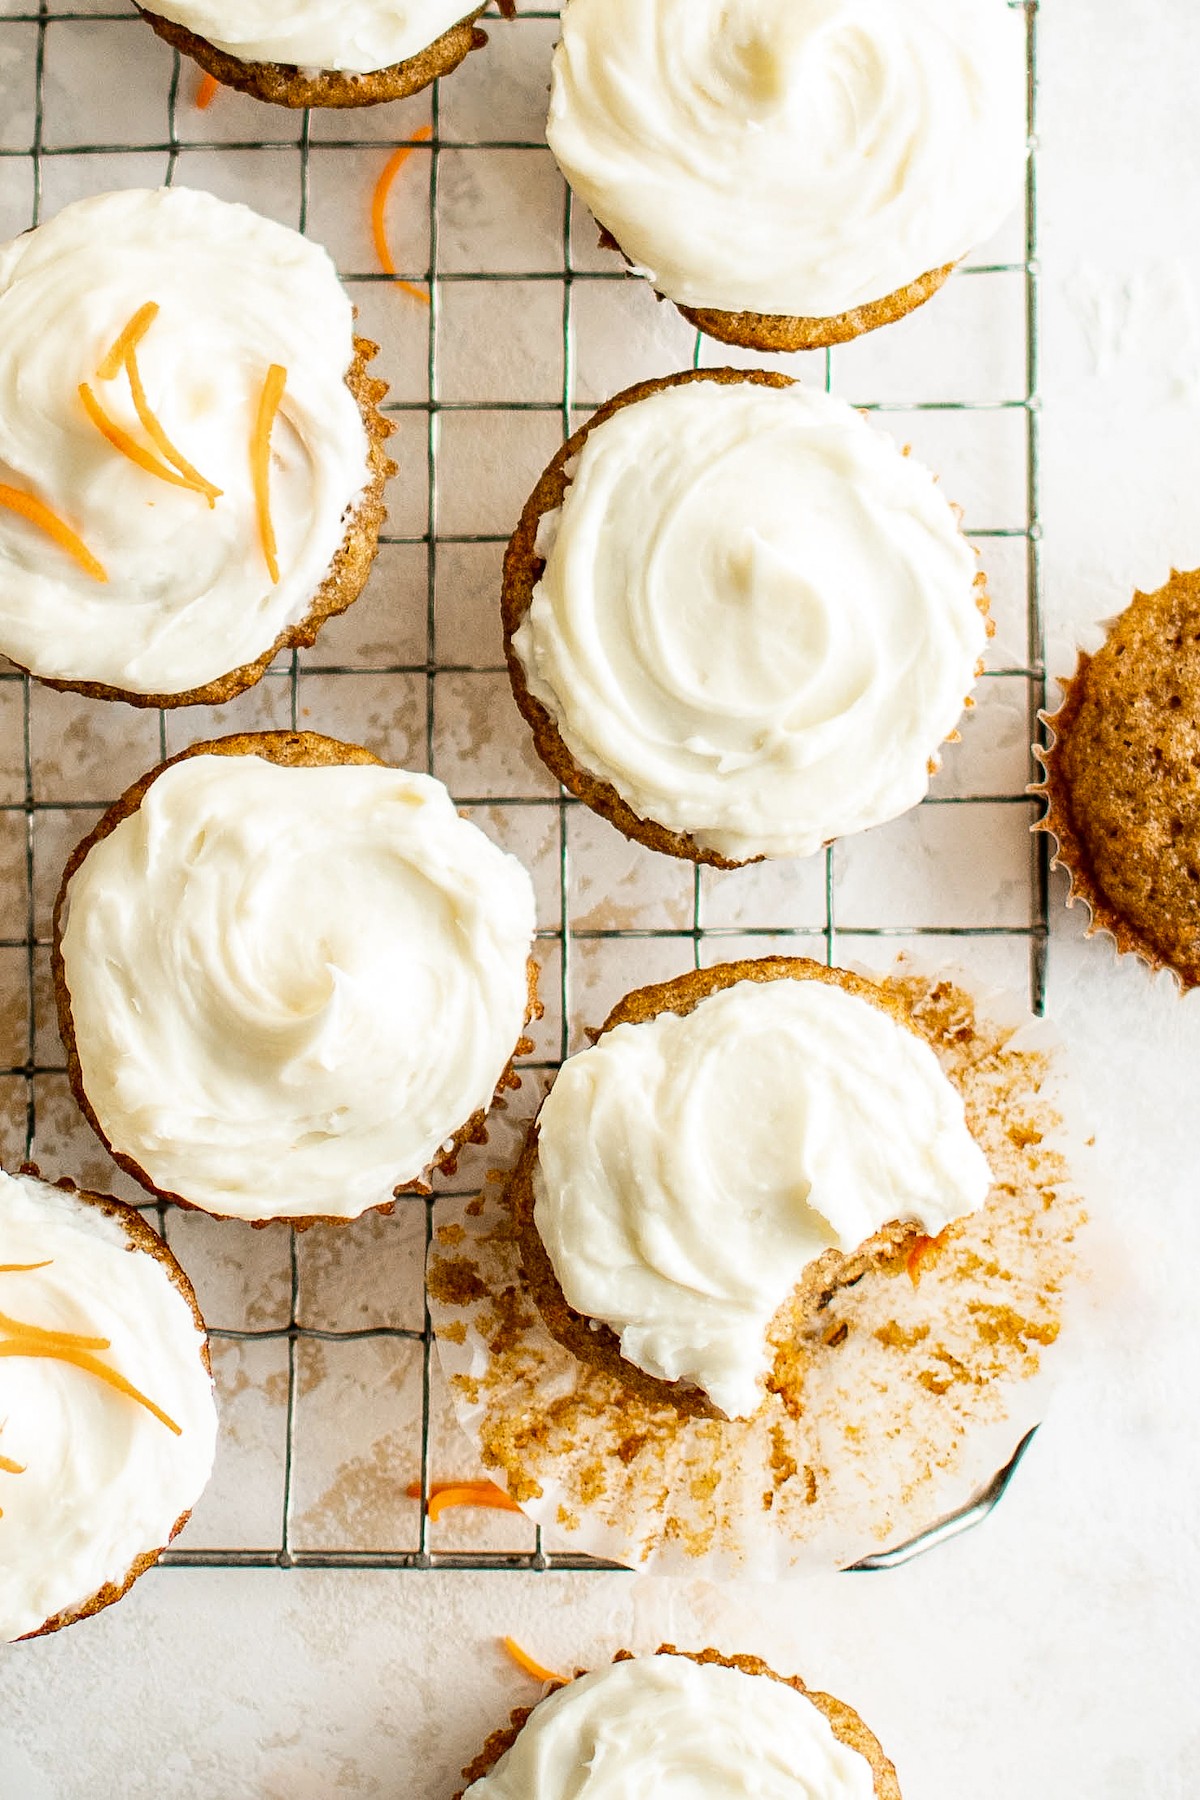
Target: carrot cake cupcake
(717, 1725)
(1121, 780)
(318, 54)
(772, 1282)
(191, 455)
(290, 979)
(107, 1421)
(792, 175)
(735, 1139)
(739, 622)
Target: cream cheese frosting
(757, 619)
(90, 1480)
(691, 1167)
(189, 596)
(677, 1730)
(354, 37)
(795, 157)
(291, 986)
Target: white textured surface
(1049, 1656)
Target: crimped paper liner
(1067, 848)
(900, 1401)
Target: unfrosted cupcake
(744, 1139)
(791, 174)
(107, 1421)
(739, 622)
(191, 451)
(290, 979)
(1122, 780)
(356, 53)
(679, 1720)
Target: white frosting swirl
(690, 1168)
(355, 37)
(188, 596)
(799, 157)
(757, 620)
(102, 1480)
(290, 987)
(666, 1727)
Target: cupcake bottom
(887, 1408)
(282, 84)
(596, 1345)
(341, 587)
(781, 332)
(844, 1722)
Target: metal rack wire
(828, 937)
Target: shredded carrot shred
(123, 355)
(445, 1494)
(260, 462)
(383, 188)
(70, 1339)
(158, 436)
(112, 364)
(56, 1351)
(24, 1268)
(10, 1467)
(128, 446)
(206, 93)
(524, 1661)
(917, 1255)
(39, 514)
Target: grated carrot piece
(10, 1467)
(260, 461)
(28, 1346)
(916, 1256)
(120, 440)
(70, 1338)
(158, 436)
(445, 1494)
(524, 1661)
(24, 1268)
(383, 188)
(39, 514)
(206, 93)
(130, 338)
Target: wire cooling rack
(958, 879)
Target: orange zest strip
(158, 436)
(40, 515)
(121, 440)
(260, 462)
(445, 1494)
(383, 188)
(128, 341)
(24, 1268)
(26, 1345)
(206, 93)
(524, 1661)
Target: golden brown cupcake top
(1123, 779)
